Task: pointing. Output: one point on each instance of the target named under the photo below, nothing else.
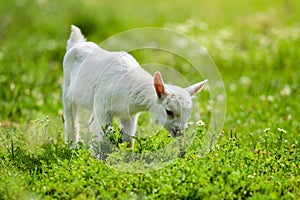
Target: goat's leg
(71, 123)
(98, 124)
(76, 124)
(129, 129)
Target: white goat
(113, 84)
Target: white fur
(112, 84)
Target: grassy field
(256, 46)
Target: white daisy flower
(281, 130)
(286, 91)
(266, 129)
(200, 123)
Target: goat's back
(87, 68)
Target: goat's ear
(194, 89)
(159, 85)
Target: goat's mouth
(175, 132)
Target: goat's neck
(143, 95)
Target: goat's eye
(169, 113)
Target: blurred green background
(240, 36)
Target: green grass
(255, 45)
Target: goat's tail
(75, 37)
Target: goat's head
(174, 104)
